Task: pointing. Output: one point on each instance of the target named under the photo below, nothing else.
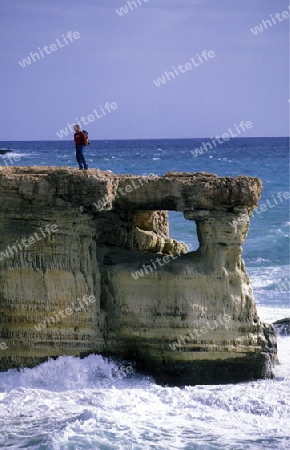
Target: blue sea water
(63, 404)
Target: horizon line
(142, 139)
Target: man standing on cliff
(80, 140)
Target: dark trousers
(80, 157)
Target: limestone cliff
(87, 265)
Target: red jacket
(80, 138)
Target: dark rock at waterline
(282, 326)
(3, 151)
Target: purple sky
(116, 58)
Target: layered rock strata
(87, 265)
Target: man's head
(77, 128)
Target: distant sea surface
(64, 404)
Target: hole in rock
(182, 229)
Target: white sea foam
(14, 154)
(57, 405)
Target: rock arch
(191, 319)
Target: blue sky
(116, 59)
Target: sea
(93, 403)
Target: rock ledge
(87, 265)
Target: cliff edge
(87, 265)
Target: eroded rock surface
(184, 317)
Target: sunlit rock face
(87, 265)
